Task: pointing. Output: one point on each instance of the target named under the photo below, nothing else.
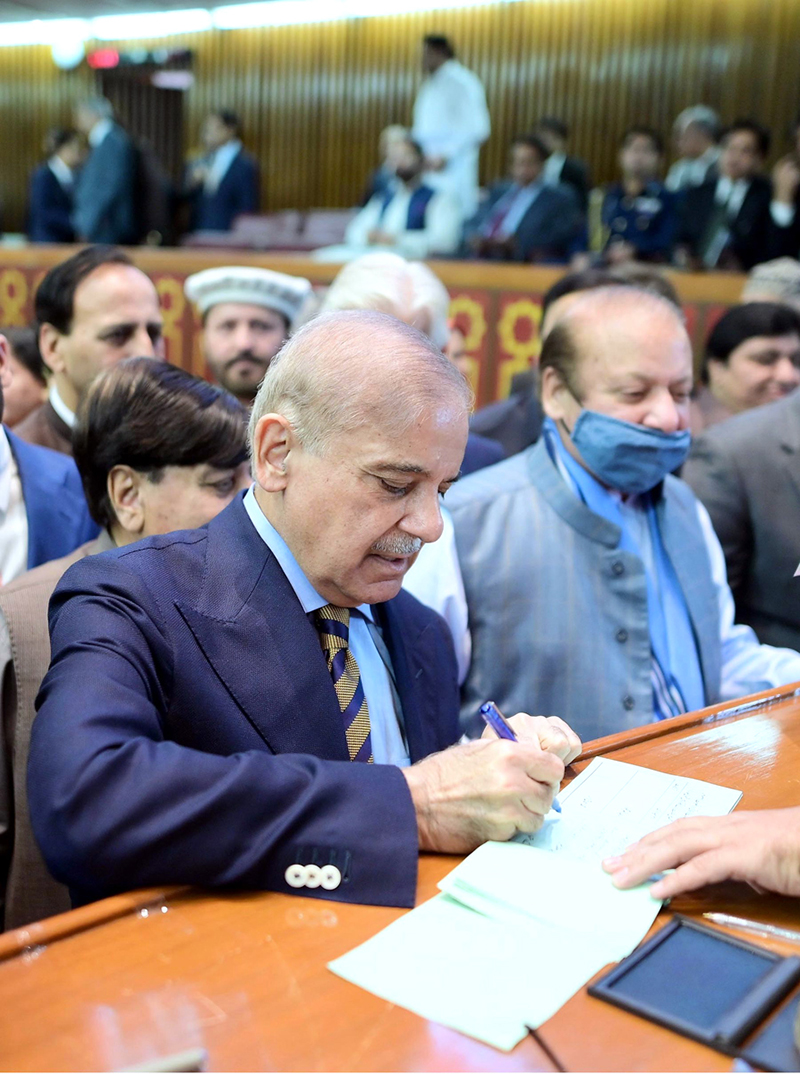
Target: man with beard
(247, 314)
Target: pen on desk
(745, 925)
(193, 1059)
(750, 706)
(494, 718)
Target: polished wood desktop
(244, 976)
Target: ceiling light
(150, 24)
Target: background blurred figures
(51, 197)
(774, 281)
(224, 182)
(105, 191)
(725, 222)
(752, 357)
(391, 139)
(92, 310)
(27, 389)
(559, 166)
(785, 237)
(451, 122)
(695, 134)
(639, 213)
(524, 218)
(247, 315)
(410, 218)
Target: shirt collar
(304, 590)
(7, 466)
(60, 170)
(99, 131)
(60, 407)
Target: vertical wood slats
(314, 98)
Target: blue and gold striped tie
(333, 625)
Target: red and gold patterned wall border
(497, 307)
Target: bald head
(620, 351)
(350, 368)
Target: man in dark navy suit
(525, 219)
(256, 703)
(52, 189)
(105, 194)
(43, 512)
(223, 183)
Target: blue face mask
(626, 457)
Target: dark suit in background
(515, 423)
(105, 193)
(747, 473)
(58, 518)
(50, 207)
(206, 745)
(43, 426)
(749, 228)
(480, 452)
(237, 193)
(546, 231)
(574, 173)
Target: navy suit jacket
(188, 731)
(49, 208)
(105, 193)
(547, 230)
(237, 193)
(58, 518)
(480, 452)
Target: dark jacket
(547, 230)
(480, 452)
(206, 745)
(49, 208)
(105, 193)
(749, 231)
(515, 423)
(648, 222)
(575, 174)
(237, 193)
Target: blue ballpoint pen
(494, 718)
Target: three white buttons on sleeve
(327, 877)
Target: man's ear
(50, 347)
(273, 443)
(124, 486)
(557, 400)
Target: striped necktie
(333, 625)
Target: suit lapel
(409, 666)
(45, 505)
(252, 630)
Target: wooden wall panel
(314, 98)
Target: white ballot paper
(611, 804)
(521, 926)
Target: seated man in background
(247, 314)
(785, 209)
(268, 684)
(525, 218)
(595, 584)
(158, 450)
(92, 310)
(51, 197)
(559, 167)
(725, 222)
(695, 133)
(639, 214)
(409, 218)
(223, 183)
(27, 389)
(43, 513)
(752, 357)
(390, 144)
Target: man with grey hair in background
(695, 133)
(105, 192)
(273, 712)
(595, 583)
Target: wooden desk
(245, 976)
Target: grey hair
(348, 369)
(699, 115)
(98, 106)
(407, 290)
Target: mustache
(246, 356)
(398, 544)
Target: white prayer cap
(250, 286)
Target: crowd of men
(278, 599)
(715, 208)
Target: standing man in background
(695, 134)
(224, 183)
(105, 193)
(451, 122)
(52, 189)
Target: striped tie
(333, 625)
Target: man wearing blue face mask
(595, 584)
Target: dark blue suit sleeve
(116, 805)
(248, 194)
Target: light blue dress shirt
(371, 655)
